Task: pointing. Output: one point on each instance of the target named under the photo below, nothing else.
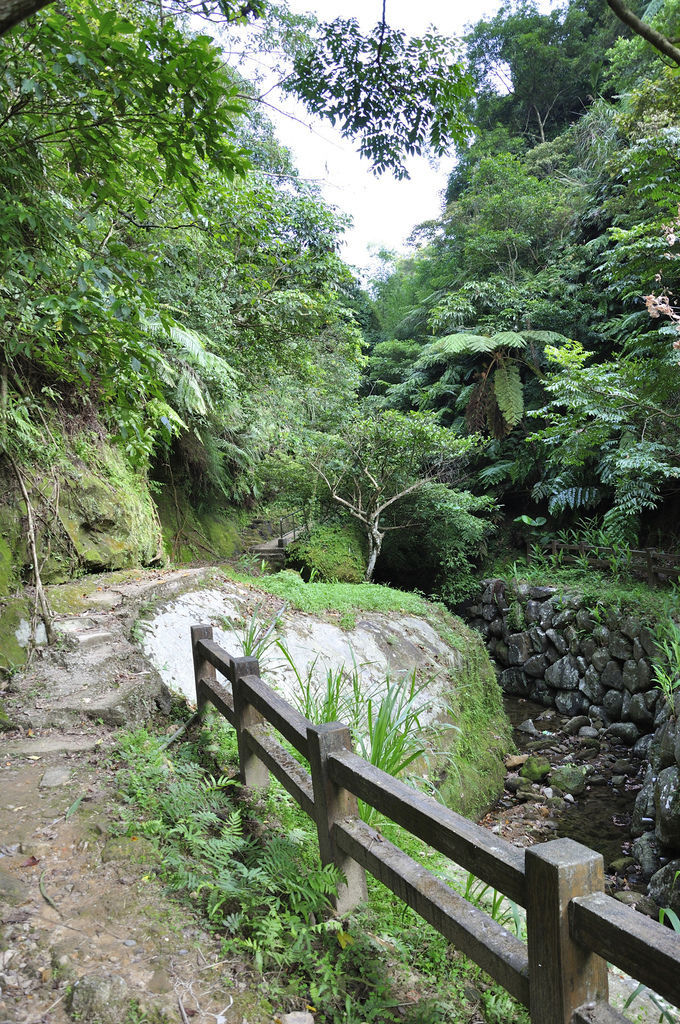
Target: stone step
(66, 743)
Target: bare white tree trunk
(375, 539)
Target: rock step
(42, 745)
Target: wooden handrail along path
(573, 928)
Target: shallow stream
(600, 817)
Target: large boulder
(647, 851)
(612, 677)
(520, 648)
(667, 804)
(620, 647)
(636, 675)
(662, 750)
(591, 686)
(664, 886)
(644, 811)
(626, 732)
(571, 702)
(563, 674)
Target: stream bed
(599, 817)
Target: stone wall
(551, 646)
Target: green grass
(340, 597)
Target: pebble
(129, 942)
(54, 777)
(569, 798)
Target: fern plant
(494, 400)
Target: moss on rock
(15, 616)
(191, 534)
(108, 514)
(93, 513)
(8, 562)
(333, 552)
(5, 720)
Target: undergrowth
(596, 586)
(253, 871)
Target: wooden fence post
(254, 773)
(331, 804)
(562, 974)
(202, 668)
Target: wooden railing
(573, 928)
(647, 562)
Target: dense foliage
(539, 307)
(169, 281)
(156, 278)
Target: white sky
(384, 211)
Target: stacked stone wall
(557, 649)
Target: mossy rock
(12, 548)
(5, 720)
(334, 552)
(105, 518)
(15, 615)
(109, 516)
(191, 534)
(535, 768)
(570, 778)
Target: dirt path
(86, 930)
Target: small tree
(379, 459)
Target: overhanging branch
(656, 39)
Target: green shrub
(331, 553)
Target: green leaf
(507, 385)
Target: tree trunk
(375, 539)
(14, 11)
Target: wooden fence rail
(648, 562)
(573, 928)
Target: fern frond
(507, 385)
(509, 339)
(496, 472)
(545, 337)
(443, 349)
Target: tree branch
(402, 494)
(656, 39)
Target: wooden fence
(573, 928)
(655, 566)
